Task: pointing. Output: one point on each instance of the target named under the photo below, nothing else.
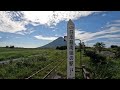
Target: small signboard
(70, 50)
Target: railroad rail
(48, 74)
(38, 71)
(52, 70)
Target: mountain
(58, 42)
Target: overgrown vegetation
(34, 60)
(94, 57)
(61, 47)
(101, 66)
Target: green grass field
(32, 60)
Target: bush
(7, 46)
(107, 71)
(57, 47)
(61, 48)
(117, 52)
(95, 58)
(11, 46)
(114, 46)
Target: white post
(70, 50)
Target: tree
(81, 46)
(61, 47)
(114, 46)
(99, 46)
(12, 46)
(57, 47)
(7, 46)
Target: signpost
(70, 50)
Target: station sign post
(70, 50)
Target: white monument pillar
(70, 50)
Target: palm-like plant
(99, 46)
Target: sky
(31, 29)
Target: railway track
(38, 71)
(51, 74)
(47, 72)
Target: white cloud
(115, 25)
(56, 35)
(28, 31)
(65, 34)
(103, 15)
(45, 38)
(52, 27)
(109, 37)
(82, 35)
(87, 36)
(15, 21)
(53, 30)
(117, 21)
(53, 17)
(24, 32)
(21, 33)
(7, 24)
